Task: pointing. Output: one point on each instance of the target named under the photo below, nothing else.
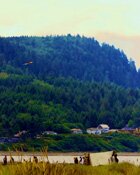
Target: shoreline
(18, 153)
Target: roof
(103, 126)
(49, 132)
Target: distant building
(103, 127)
(49, 133)
(93, 131)
(76, 131)
(20, 133)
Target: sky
(116, 22)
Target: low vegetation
(78, 142)
(68, 169)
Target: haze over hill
(112, 21)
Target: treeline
(59, 104)
(69, 56)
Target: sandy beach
(68, 157)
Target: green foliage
(68, 56)
(79, 142)
(62, 104)
(70, 84)
(119, 142)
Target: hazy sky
(116, 22)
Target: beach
(52, 157)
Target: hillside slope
(69, 56)
(60, 104)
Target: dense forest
(60, 104)
(68, 56)
(71, 82)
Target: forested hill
(67, 85)
(60, 104)
(69, 56)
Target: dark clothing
(76, 160)
(5, 160)
(116, 159)
(80, 159)
(35, 159)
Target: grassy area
(68, 169)
(78, 143)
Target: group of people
(35, 160)
(114, 158)
(83, 160)
(5, 160)
(86, 159)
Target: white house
(49, 133)
(103, 127)
(76, 131)
(93, 131)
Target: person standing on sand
(114, 157)
(88, 159)
(5, 160)
(75, 160)
(81, 160)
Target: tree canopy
(72, 81)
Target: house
(49, 133)
(20, 133)
(103, 127)
(76, 131)
(93, 131)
